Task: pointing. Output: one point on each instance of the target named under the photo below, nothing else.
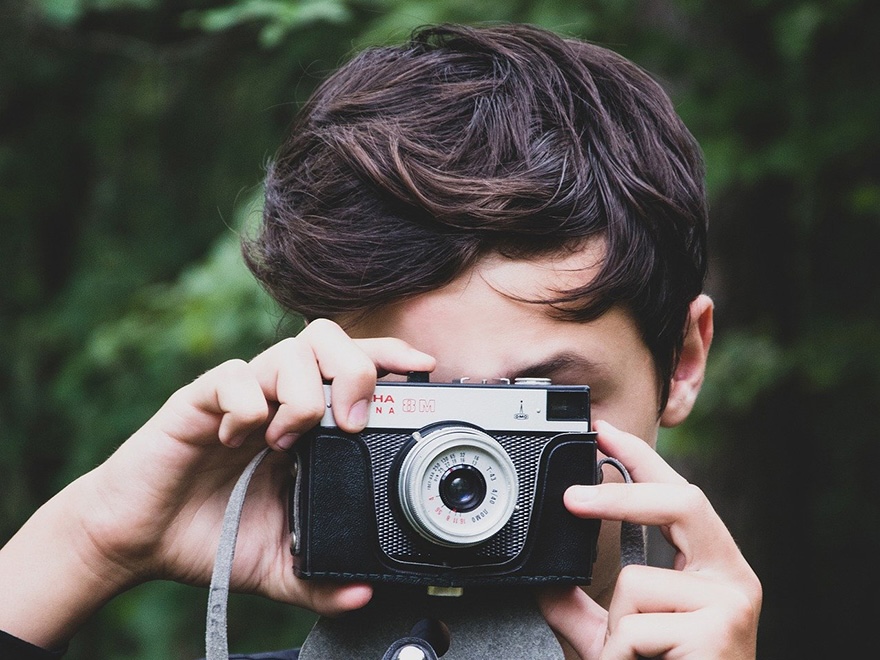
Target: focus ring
(436, 455)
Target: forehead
(542, 278)
(481, 325)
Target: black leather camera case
(346, 525)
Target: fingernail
(357, 415)
(236, 441)
(286, 441)
(583, 493)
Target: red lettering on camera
(419, 405)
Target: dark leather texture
(338, 534)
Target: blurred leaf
(278, 16)
(67, 12)
(865, 199)
(796, 28)
(838, 351)
(742, 367)
(169, 334)
(62, 12)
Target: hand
(707, 607)
(154, 509)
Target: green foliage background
(133, 135)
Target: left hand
(707, 606)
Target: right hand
(164, 492)
(154, 509)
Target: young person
(483, 202)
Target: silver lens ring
(443, 453)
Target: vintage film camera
(450, 485)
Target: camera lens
(457, 487)
(462, 488)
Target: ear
(688, 376)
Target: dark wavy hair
(411, 163)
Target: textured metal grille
(524, 451)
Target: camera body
(449, 485)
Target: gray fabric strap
(633, 538)
(482, 626)
(216, 642)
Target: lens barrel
(457, 486)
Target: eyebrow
(561, 362)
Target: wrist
(53, 574)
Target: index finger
(642, 462)
(692, 525)
(659, 497)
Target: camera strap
(633, 541)
(519, 626)
(216, 641)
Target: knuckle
(726, 631)
(359, 370)
(742, 610)
(314, 410)
(289, 345)
(626, 627)
(321, 326)
(234, 366)
(693, 499)
(304, 413)
(241, 393)
(629, 579)
(733, 620)
(232, 370)
(365, 372)
(755, 591)
(254, 414)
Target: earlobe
(688, 376)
